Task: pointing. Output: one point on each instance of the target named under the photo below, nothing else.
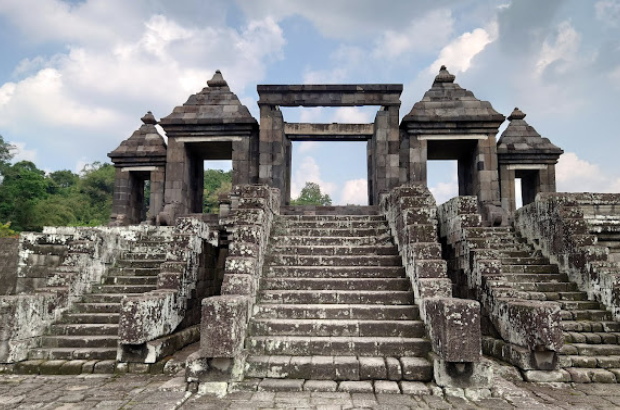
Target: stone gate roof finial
(217, 80)
(444, 76)
(149, 118)
(517, 114)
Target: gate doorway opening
(340, 168)
(443, 179)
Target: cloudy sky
(76, 75)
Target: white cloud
(22, 154)
(310, 114)
(353, 115)
(308, 171)
(80, 165)
(335, 76)
(444, 191)
(458, 54)
(562, 50)
(422, 35)
(307, 146)
(101, 88)
(355, 192)
(608, 11)
(577, 175)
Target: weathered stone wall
(526, 333)
(225, 318)
(8, 265)
(453, 325)
(567, 228)
(158, 313)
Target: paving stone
(321, 385)
(386, 387)
(281, 385)
(416, 388)
(356, 387)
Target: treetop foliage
(311, 195)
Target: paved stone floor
(136, 392)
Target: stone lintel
(139, 169)
(221, 138)
(449, 137)
(330, 95)
(519, 167)
(328, 132)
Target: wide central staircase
(334, 304)
(89, 331)
(592, 338)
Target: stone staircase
(335, 307)
(592, 338)
(89, 331)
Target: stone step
(544, 287)
(576, 296)
(490, 232)
(601, 362)
(337, 232)
(328, 218)
(79, 341)
(401, 284)
(581, 305)
(338, 368)
(337, 311)
(87, 329)
(289, 240)
(590, 326)
(131, 280)
(337, 296)
(152, 264)
(337, 328)
(107, 297)
(592, 337)
(357, 260)
(328, 224)
(531, 277)
(334, 271)
(113, 289)
(91, 353)
(129, 271)
(519, 253)
(90, 318)
(531, 269)
(105, 307)
(584, 349)
(586, 315)
(377, 249)
(143, 256)
(336, 346)
(531, 260)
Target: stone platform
(138, 392)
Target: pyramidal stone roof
(448, 101)
(521, 137)
(215, 104)
(145, 142)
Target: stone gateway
(377, 298)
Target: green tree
(216, 182)
(22, 187)
(311, 195)
(6, 151)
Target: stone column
(156, 199)
(393, 147)
(418, 156)
(120, 201)
(272, 149)
(507, 186)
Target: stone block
(416, 369)
(223, 325)
(454, 328)
(347, 368)
(238, 285)
(463, 375)
(372, 368)
(394, 372)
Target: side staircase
(592, 338)
(335, 308)
(89, 331)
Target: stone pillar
(370, 171)
(393, 147)
(156, 200)
(120, 201)
(418, 155)
(380, 155)
(176, 180)
(272, 150)
(507, 187)
(486, 176)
